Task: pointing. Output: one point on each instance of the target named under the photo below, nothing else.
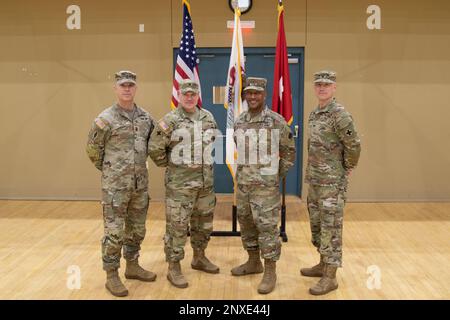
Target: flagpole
(283, 212)
(283, 188)
(283, 234)
(283, 195)
(234, 231)
(234, 212)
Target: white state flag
(233, 100)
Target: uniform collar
(259, 117)
(125, 114)
(328, 107)
(183, 114)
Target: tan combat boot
(327, 283)
(201, 262)
(114, 284)
(175, 276)
(316, 271)
(253, 265)
(135, 271)
(269, 278)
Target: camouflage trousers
(192, 207)
(258, 211)
(124, 215)
(326, 209)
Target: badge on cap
(188, 85)
(325, 76)
(253, 83)
(125, 76)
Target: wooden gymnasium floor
(408, 243)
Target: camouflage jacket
(333, 145)
(270, 166)
(191, 170)
(117, 146)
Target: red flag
(282, 97)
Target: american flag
(186, 66)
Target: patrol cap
(188, 85)
(258, 84)
(325, 76)
(125, 76)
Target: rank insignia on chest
(268, 123)
(349, 132)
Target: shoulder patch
(99, 122)
(164, 126)
(343, 119)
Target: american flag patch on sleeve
(99, 122)
(163, 125)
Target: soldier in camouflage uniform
(117, 146)
(182, 142)
(258, 196)
(333, 151)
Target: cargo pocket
(176, 214)
(107, 200)
(338, 219)
(107, 197)
(113, 198)
(172, 209)
(107, 204)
